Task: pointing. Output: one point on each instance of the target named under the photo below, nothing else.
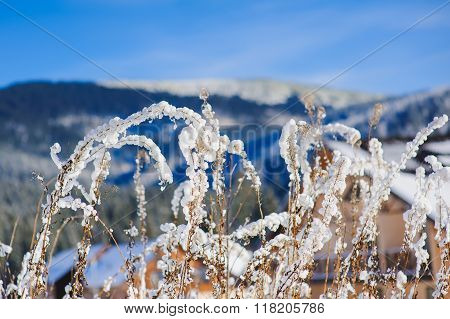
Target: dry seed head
(377, 112)
(321, 113)
(308, 101)
(204, 95)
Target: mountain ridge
(260, 90)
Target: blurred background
(68, 66)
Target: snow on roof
(239, 257)
(64, 261)
(444, 159)
(442, 147)
(404, 186)
(105, 261)
(392, 151)
(347, 150)
(102, 262)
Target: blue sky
(301, 41)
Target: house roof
(440, 147)
(404, 186)
(102, 262)
(105, 261)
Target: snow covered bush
(279, 249)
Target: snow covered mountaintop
(412, 109)
(263, 91)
